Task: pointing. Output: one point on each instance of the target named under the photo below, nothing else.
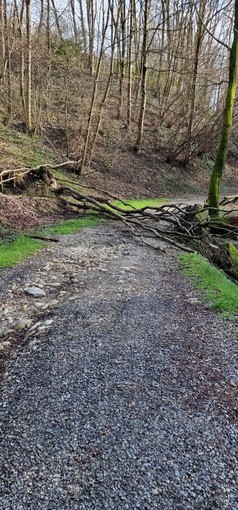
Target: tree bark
(29, 65)
(143, 77)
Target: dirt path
(123, 395)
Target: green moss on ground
(215, 286)
(11, 253)
(71, 226)
(138, 204)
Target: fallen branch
(43, 238)
(188, 228)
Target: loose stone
(35, 291)
(22, 324)
(4, 345)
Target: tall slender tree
(146, 11)
(221, 154)
(28, 67)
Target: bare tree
(94, 95)
(219, 164)
(28, 66)
(146, 11)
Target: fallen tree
(185, 227)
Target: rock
(48, 322)
(48, 267)
(45, 306)
(22, 324)
(53, 302)
(4, 345)
(75, 296)
(129, 268)
(39, 304)
(194, 301)
(40, 329)
(35, 326)
(35, 291)
(24, 308)
(5, 331)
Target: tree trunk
(143, 77)
(8, 63)
(220, 160)
(57, 20)
(48, 25)
(3, 44)
(91, 34)
(199, 36)
(28, 69)
(122, 56)
(129, 84)
(72, 5)
(81, 165)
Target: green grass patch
(71, 226)
(20, 248)
(138, 204)
(216, 287)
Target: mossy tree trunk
(220, 160)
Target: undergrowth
(19, 149)
(215, 285)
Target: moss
(214, 284)
(233, 255)
(21, 247)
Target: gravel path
(128, 399)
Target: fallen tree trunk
(18, 174)
(187, 228)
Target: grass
(215, 286)
(11, 253)
(71, 226)
(138, 204)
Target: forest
(118, 254)
(71, 69)
(121, 93)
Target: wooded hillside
(94, 77)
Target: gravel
(128, 400)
